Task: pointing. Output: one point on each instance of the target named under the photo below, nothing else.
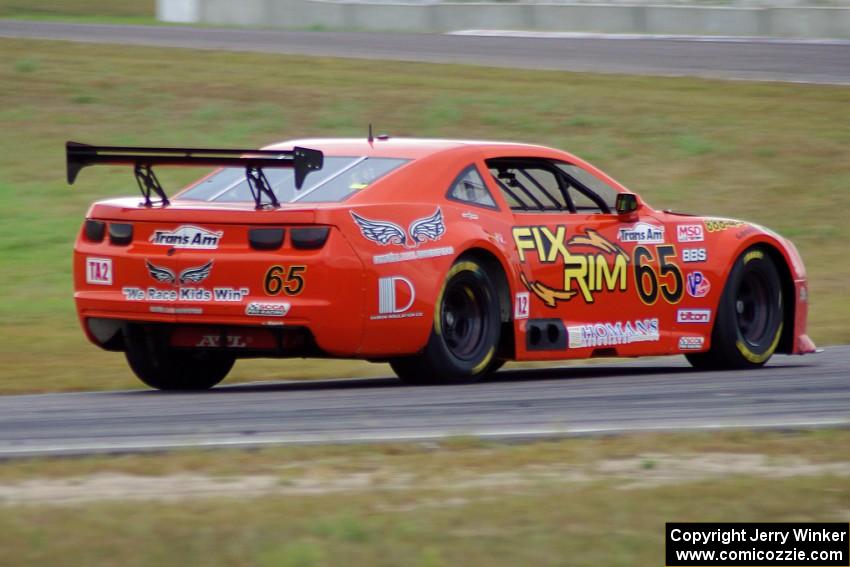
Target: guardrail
(794, 21)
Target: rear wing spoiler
(302, 160)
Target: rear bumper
(239, 340)
(236, 291)
(326, 337)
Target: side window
(535, 184)
(470, 188)
(543, 185)
(591, 182)
(530, 184)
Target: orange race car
(444, 258)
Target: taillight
(120, 234)
(94, 230)
(266, 238)
(309, 238)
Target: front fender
(795, 339)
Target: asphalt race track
(825, 62)
(657, 394)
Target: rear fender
(403, 277)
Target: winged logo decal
(385, 232)
(429, 228)
(196, 275)
(160, 273)
(189, 275)
(382, 232)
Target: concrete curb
(795, 21)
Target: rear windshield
(339, 178)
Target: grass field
(461, 502)
(776, 154)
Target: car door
(576, 260)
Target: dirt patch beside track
(644, 471)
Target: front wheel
(164, 368)
(749, 317)
(462, 345)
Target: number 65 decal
(668, 278)
(280, 280)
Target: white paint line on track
(665, 37)
(505, 434)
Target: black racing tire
(462, 345)
(495, 365)
(163, 368)
(749, 318)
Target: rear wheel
(163, 368)
(462, 345)
(749, 317)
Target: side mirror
(627, 204)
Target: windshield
(339, 178)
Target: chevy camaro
(445, 258)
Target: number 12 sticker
(521, 305)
